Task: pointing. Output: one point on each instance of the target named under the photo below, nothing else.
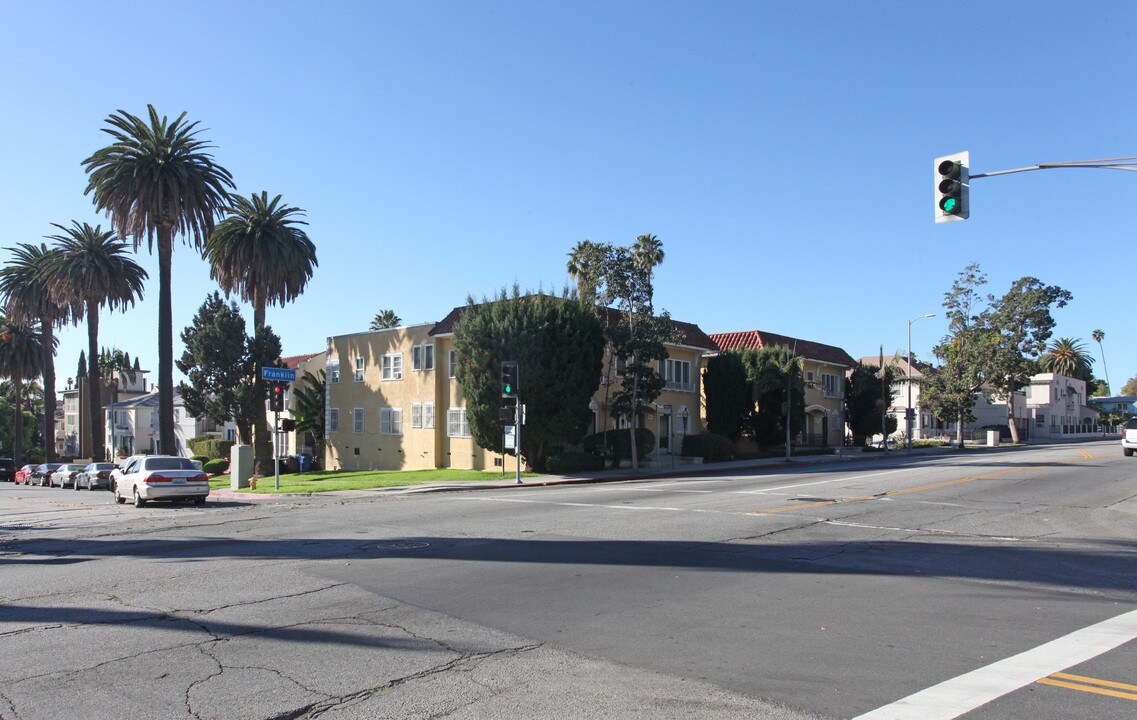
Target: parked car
(64, 475)
(159, 477)
(24, 475)
(95, 475)
(7, 469)
(1129, 437)
(42, 474)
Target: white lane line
(820, 482)
(962, 694)
(609, 507)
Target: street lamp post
(908, 410)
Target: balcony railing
(681, 386)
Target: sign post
(278, 375)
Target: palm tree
(21, 358)
(1067, 356)
(309, 411)
(259, 252)
(384, 320)
(585, 266)
(648, 253)
(1098, 336)
(26, 299)
(155, 180)
(92, 269)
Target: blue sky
(782, 151)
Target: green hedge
(210, 447)
(619, 444)
(708, 446)
(216, 466)
(572, 462)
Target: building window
(621, 367)
(393, 366)
(456, 423)
(333, 419)
(428, 415)
(390, 421)
(677, 374)
(427, 357)
(831, 385)
(452, 362)
(416, 358)
(357, 420)
(359, 369)
(416, 415)
(333, 371)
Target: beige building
(393, 401)
(823, 369)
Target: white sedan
(64, 475)
(159, 477)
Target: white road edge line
(962, 694)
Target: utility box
(240, 466)
(992, 438)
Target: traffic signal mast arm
(1121, 163)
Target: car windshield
(169, 464)
(102, 466)
(1131, 424)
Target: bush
(708, 446)
(216, 466)
(618, 443)
(210, 447)
(201, 458)
(572, 462)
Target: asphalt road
(986, 584)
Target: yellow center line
(1094, 681)
(1090, 688)
(904, 491)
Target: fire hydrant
(253, 483)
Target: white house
(132, 427)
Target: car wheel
(117, 497)
(138, 501)
(199, 501)
(75, 485)
(1128, 452)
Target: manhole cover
(401, 545)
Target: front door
(664, 433)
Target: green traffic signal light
(950, 205)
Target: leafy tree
(1130, 387)
(309, 411)
(729, 401)
(558, 344)
(27, 299)
(1067, 356)
(1098, 336)
(260, 252)
(220, 363)
(91, 270)
(774, 375)
(155, 180)
(1019, 325)
(383, 320)
(867, 389)
(21, 358)
(949, 391)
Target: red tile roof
(293, 361)
(754, 339)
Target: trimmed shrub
(708, 446)
(210, 447)
(619, 444)
(216, 466)
(572, 462)
(201, 458)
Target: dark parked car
(7, 469)
(95, 475)
(42, 474)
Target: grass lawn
(327, 481)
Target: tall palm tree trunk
(262, 436)
(47, 329)
(166, 441)
(18, 423)
(94, 385)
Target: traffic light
(509, 379)
(276, 397)
(952, 180)
(287, 424)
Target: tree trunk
(263, 450)
(1011, 419)
(959, 431)
(633, 415)
(47, 330)
(94, 385)
(166, 437)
